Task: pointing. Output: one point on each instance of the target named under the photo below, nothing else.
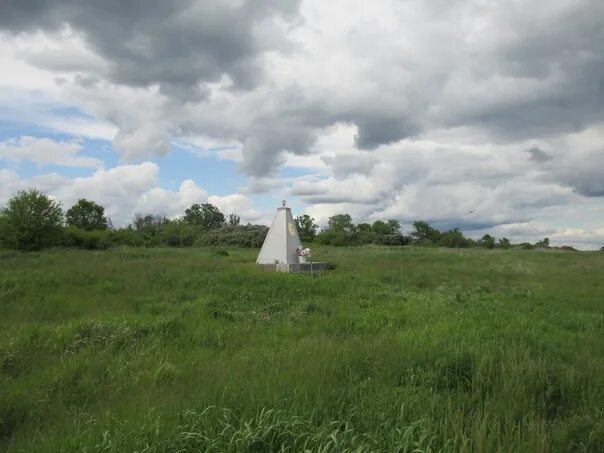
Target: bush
(179, 234)
(238, 236)
(392, 239)
(126, 236)
(487, 241)
(453, 238)
(504, 243)
(4, 231)
(333, 237)
(568, 248)
(90, 240)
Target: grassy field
(397, 349)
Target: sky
(479, 114)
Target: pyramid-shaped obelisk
(282, 241)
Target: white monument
(282, 250)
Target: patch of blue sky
(96, 148)
(216, 176)
(70, 112)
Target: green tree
(542, 243)
(381, 227)
(149, 223)
(86, 215)
(487, 241)
(395, 226)
(453, 238)
(3, 230)
(342, 223)
(234, 220)
(33, 221)
(424, 232)
(504, 243)
(364, 233)
(205, 215)
(307, 228)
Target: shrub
(90, 240)
(126, 236)
(392, 239)
(504, 243)
(542, 243)
(33, 221)
(4, 230)
(333, 237)
(239, 236)
(179, 234)
(487, 241)
(453, 238)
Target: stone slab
(300, 267)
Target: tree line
(341, 231)
(33, 221)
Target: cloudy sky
(481, 114)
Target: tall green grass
(397, 349)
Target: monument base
(300, 267)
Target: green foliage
(391, 239)
(32, 221)
(84, 239)
(544, 243)
(381, 227)
(453, 238)
(4, 231)
(206, 216)
(234, 220)
(333, 237)
(340, 231)
(504, 243)
(487, 241)
(424, 232)
(413, 349)
(238, 236)
(149, 224)
(86, 215)
(365, 234)
(307, 228)
(390, 227)
(343, 223)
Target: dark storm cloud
(585, 173)
(176, 44)
(381, 128)
(538, 155)
(558, 56)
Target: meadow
(396, 349)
